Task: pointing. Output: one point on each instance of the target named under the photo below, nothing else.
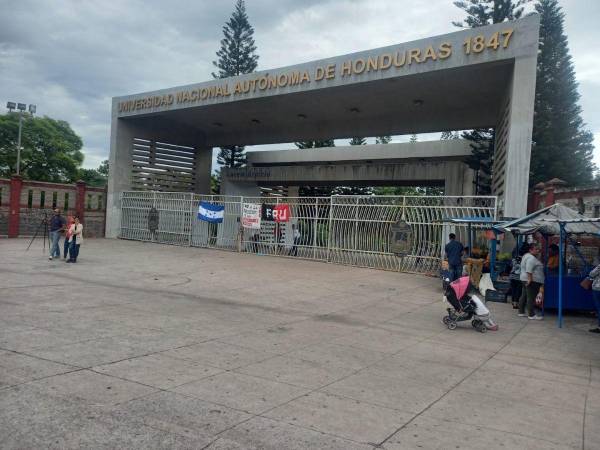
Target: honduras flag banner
(211, 212)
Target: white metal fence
(351, 230)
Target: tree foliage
(486, 12)
(358, 141)
(562, 148)
(383, 139)
(236, 56)
(51, 151)
(95, 177)
(447, 135)
(480, 13)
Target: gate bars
(350, 230)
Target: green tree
(480, 13)
(236, 56)
(413, 138)
(95, 177)
(51, 151)
(562, 148)
(383, 139)
(447, 135)
(315, 144)
(215, 182)
(485, 12)
(358, 141)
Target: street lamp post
(21, 107)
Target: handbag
(539, 299)
(586, 283)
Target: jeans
(74, 250)
(67, 245)
(455, 271)
(596, 295)
(54, 244)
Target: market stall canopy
(547, 220)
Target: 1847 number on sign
(477, 44)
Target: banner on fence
(251, 216)
(276, 213)
(211, 212)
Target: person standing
(67, 236)
(454, 250)
(57, 226)
(76, 239)
(532, 275)
(516, 286)
(296, 236)
(595, 276)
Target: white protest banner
(251, 215)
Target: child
(76, 239)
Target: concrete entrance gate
(482, 77)
(437, 163)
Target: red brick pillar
(80, 202)
(16, 185)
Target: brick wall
(36, 198)
(585, 200)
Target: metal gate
(350, 230)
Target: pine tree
(413, 138)
(358, 141)
(383, 139)
(562, 148)
(315, 144)
(236, 56)
(480, 13)
(447, 135)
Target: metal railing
(350, 230)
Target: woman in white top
(76, 239)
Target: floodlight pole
(19, 142)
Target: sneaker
(536, 317)
(69, 261)
(50, 258)
(595, 330)
(522, 315)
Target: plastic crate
(495, 296)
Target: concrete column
(458, 179)
(203, 170)
(119, 179)
(520, 128)
(16, 185)
(293, 191)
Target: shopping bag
(586, 283)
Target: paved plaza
(145, 346)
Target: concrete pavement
(153, 346)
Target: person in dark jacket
(454, 250)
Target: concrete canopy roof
(462, 90)
(447, 150)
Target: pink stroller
(466, 306)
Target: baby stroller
(465, 306)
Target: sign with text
(276, 213)
(251, 216)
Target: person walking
(454, 250)
(595, 276)
(532, 276)
(57, 226)
(76, 239)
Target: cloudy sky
(71, 56)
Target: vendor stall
(562, 290)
